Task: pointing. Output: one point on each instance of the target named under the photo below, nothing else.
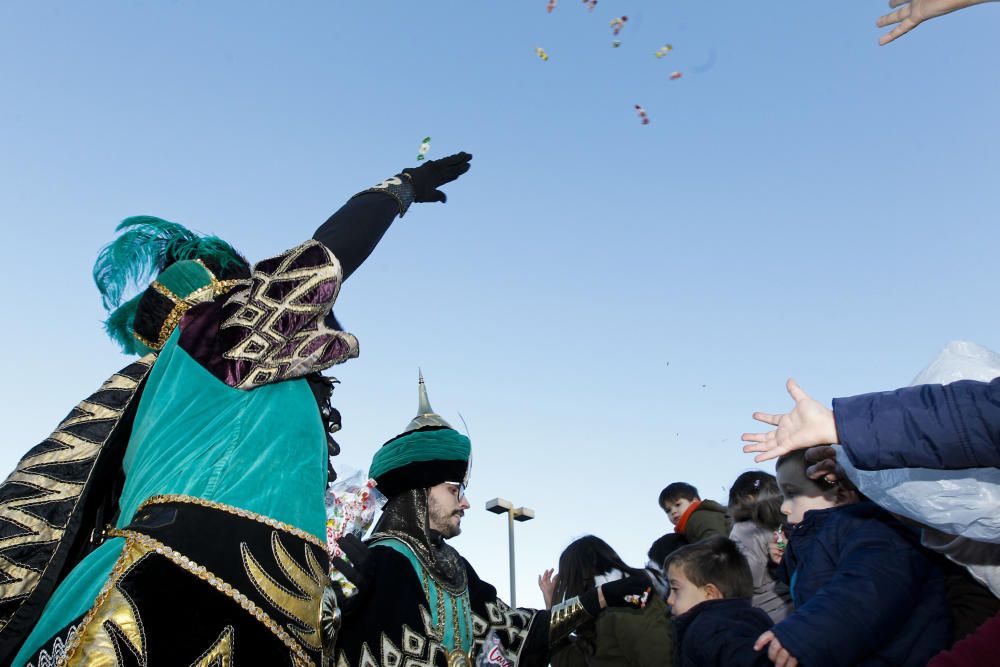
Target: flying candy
(590, 4)
(642, 114)
(549, 7)
(618, 24)
(541, 53)
(664, 50)
(425, 146)
(675, 75)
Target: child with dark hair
(714, 622)
(865, 593)
(657, 555)
(755, 507)
(616, 638)
(693, 517)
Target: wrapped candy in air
(425, 146)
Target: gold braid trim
(566, 617)
(130, 555)
(237, 511)
(215, 582)
(182, 305)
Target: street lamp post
(501, 506)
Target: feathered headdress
(148, 246)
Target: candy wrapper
(351, 502)
(779, 539)
(492, 653)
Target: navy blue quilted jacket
(720, 633)
(865, 593)
(936, 426)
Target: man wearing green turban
(419, 602)
(176, 516)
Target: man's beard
(440, 520)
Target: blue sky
(604, 302)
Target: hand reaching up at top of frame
(911, 13)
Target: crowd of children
(801, 568)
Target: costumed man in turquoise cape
(176, 516)
(419, 602)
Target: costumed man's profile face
(446, 505)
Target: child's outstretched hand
(547, 584)
(912, 13)
(776, 653)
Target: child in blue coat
(865, 593)
(714, 622)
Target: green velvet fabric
(184, 277)
(263, 450)
(73, 597)
(438, 445)
(451, 604)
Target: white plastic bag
(351, 502)
(961, 508)
(965, 502)
(957, 502)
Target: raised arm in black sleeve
(353, 232)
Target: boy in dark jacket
(865, 593)
(714, 623)
(693, 517)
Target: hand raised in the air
(430, 176)
(808, 424)
(912, 13)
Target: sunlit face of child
(684, 594)
(801, 493)
(675, 509)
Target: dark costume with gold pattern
(422, 604)
(176, 516)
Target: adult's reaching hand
(912, 13)
(807, 425)
(822, 464)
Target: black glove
(353, 569)
(428, 177)
(628, 592)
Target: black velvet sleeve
(536, 644)
(353, 231)
(524, 633)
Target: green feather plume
(120, 325)
(147, 246)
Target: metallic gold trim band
(237, 511)
(217, 583)
(565, 618)
(181, 306)
(125, 561)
